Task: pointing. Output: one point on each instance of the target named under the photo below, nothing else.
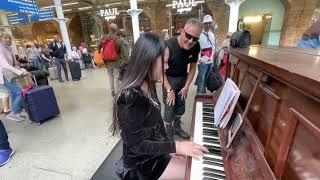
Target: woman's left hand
(184, 93)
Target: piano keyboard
(209, 167)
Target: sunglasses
(189, 36)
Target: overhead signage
(22, 6)
(184, 5)
(18, 19)
(109, 13)
(44, 15)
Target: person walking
(122, 51)
(33, 56)
(148, 153)
(7, 70)
(59, 51)
(207, 44)
(184, 50)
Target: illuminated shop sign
(22, 6)
(184, 5)
(109, 13)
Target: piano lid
(297, 67)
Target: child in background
(87, 59)
(98, 58)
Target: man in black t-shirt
(184, 50)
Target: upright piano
(280, 106)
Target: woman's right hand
(191, 149)
(171, 98)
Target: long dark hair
(144, 55)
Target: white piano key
(198, 165)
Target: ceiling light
(85, 8)
(252, 19)
(67, 10)
(111, 4)
(68, 4)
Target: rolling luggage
(75, 70)
(41, 103)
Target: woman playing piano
(147, 152)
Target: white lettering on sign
(109, 13)
(184, 5)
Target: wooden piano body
(280, 105)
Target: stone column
(4, 23)
(63, 26)
(134, 13)
(234, 13)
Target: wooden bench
(106, 170)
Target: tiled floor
(73, 145)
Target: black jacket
(58, 52)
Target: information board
(18, 19)
(22, 6)
(43, 15)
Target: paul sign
(184, 5)
(109, 13)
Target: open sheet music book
(226, 103)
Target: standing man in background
(59, 50)
(208, 45)
(184, 50)
(122, 51)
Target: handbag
(240, 39)
(9, 75)
(214, 79)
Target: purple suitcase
(41, 104)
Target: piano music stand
(234, 128)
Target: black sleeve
(195, 53)
(131, 116)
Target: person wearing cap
(207, 44)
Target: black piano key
(210, 140)
(212, 163)
(220, 161)
(214, 173)
(209, 132)
(208, 125)
(214, 176)
(213, 149)
(208, 178)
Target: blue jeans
(309, 43)
(16, 95)
(4, 143)
(36, 63)
(203, 72)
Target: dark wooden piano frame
(270, 83)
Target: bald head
(113, 28)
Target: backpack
(240, 39)
(109, 52)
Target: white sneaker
(15, 117)
(23, 114)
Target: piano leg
(175, 169)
